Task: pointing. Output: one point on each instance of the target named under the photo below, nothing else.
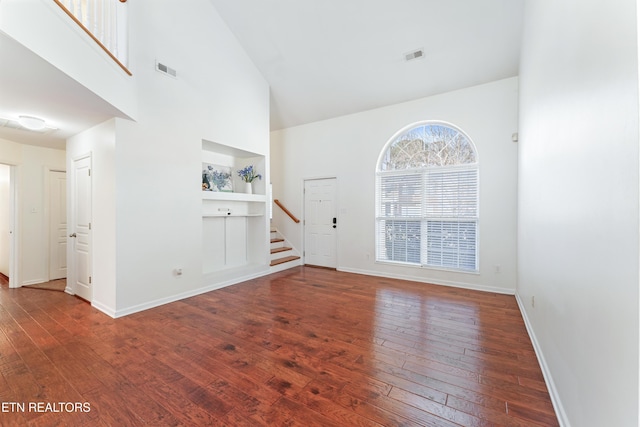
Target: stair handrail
(281, 206)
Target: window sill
(426, 267)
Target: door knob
(72, 235)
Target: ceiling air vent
(416, 54)
(166, 70)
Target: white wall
(32, 164)
(5, 218)
(578, 204)
(348, 148)
(99, 142)
(219, 96)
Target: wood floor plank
(302, 347)
(312, 398)
(442, 411)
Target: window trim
(423, 218)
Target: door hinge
(89, 170)
(89, 226)
(89, 279)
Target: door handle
(335, 221)
(72, 235)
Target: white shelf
(240, 197)
(228, 150)
(234, 225)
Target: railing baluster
(104, 21)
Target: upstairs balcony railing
(105, 21)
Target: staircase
(283, 256)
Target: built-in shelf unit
(234, 224)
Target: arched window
(427, 199)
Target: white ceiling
(327, 58)
(321, 58)
(31, 86)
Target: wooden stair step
(277, 240)
(283, 260)
(282, 249)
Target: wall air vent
(416, 54)
(164, 69)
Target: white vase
(248, 188)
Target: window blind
(428, 217)
(451, 193)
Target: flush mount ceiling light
(32, 123)
(27, 124)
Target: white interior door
(320, 222)
(57, 225)
(81, 228)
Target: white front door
(81, 229)
(320, 222)
(57, 225)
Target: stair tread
(277, 240)
(282, 249)
(283, 260)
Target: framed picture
(216, 178)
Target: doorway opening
(7, 226)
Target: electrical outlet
(178, 271)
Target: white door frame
(304, 215)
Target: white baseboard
(109, 311)
(546, 373)
(430, 281)
(33, 282)
(188, 294)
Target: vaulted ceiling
(327, 58)
(321, 58)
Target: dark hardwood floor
(304, 347)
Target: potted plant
(248, 175)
